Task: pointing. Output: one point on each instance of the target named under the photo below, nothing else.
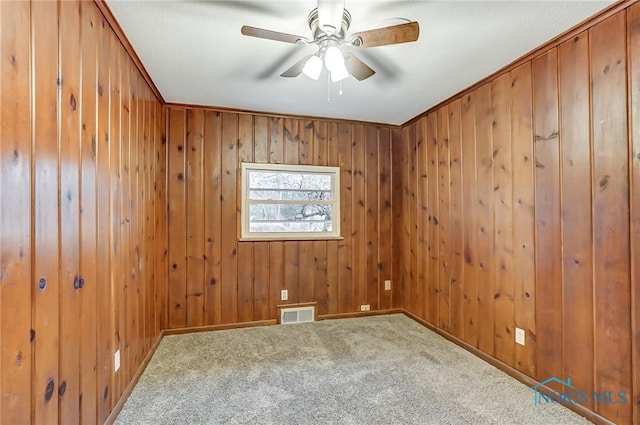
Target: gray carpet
(374, 370)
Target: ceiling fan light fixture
(339, 73)
(313, 67)
(333, 58)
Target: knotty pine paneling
(633, 42)
(543, 163)
(83, 224)
(214, 278)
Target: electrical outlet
(365, 307)
(520, 336)
(284, 295)
(387, 285)
(116, 361)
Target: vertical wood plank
(177, 225)
(523, 217)
(276, 276)
(125, 288)
(345, 252)
(320, 152)
(457, 217)
(484, 223)
(547, 203)
(261, 288)
(415, 154)
(433, 219)
(118, 197)
(359, 219)
(88, 248)
(444, 194)
(398, 194)
(195, 217)
(384, 238)
(229, 265)
(332, 279)
(577, 228)
(245, 249)
(16, 283)
(212, 146)
(69, 301)
(611, 214)
(418, 247)
(261, 139)
(633, 43)
(469, 283)
(103, 269)
(503, 264)
(276, 141)
(319, 256)
(407, 150)
(306, 272)
(46, 213)
(371, 169)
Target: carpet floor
(372, 370)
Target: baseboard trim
(360, 314)
(514, 373)
(134, 380)
(220, 327)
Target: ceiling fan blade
(394, 34)
(330, 15)
(270, 35)
(297, 68)
(357, 68)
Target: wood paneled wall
(521, 207)
(82, 208)
(213, 278)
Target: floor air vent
(297, 315)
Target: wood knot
(63, 388)
(48, 392)
(604, 182)
(42, 283)
(72, 102)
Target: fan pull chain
(340, 91)
(328, 87)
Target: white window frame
(334, 172)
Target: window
(290, 202)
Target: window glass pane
(289, 180)
(290, 213)
(290, 195)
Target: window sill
(285, 238)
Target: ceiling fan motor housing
(318, 33)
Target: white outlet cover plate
(520, 336)
(116, 361)
(284, 295)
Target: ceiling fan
(329, 23)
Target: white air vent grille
(297, 315)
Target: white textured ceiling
(195, 54)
